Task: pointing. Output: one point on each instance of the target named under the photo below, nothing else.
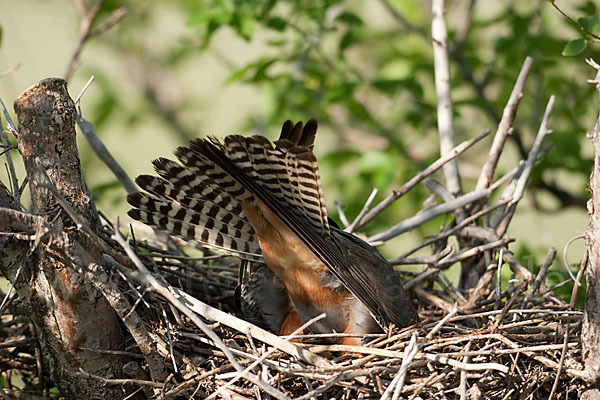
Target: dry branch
(504, 127)
(65, 308)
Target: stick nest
(520, 342)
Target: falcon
(263, 202)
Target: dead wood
(72, 321)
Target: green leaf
(277, 23)
(262, 68)
(359, 111)
(373, 160)
(0, 35)
(397, 68)
(574, 47)
(339, 92)
(104, 187)
(588, 7)
(588, 22)
(239, 74)
(246, 27)
(596, 29)
(349, 18)
(387, 86)
(348, 39)
(277, 42)
(252, 72)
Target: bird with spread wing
(263, 202)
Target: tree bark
(590, 330)
(73, 321)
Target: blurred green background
(173, 70)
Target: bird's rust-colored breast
(299, 269)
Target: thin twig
(11, 124)
(561, 363)
(102, 152)
(245, 327)
(352, 227)
(85, 87)
(342, 214)
(565, 262)
(87, 32)
(411, 352)
(266, 355)
(541, 276)
(577, 283)
(404, 22)
(516, 350)
(432, 259)
(168, 330)
(498, 291)
(579, 26)
(10, 289)
(454, 229)
(463, 375)
(120, 382)
(11, 167)
(438, 189)
(45, 182)
(10, 70)
(468, 253)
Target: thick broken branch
(64, 307)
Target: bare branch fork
(88, 31)
(504, 127)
